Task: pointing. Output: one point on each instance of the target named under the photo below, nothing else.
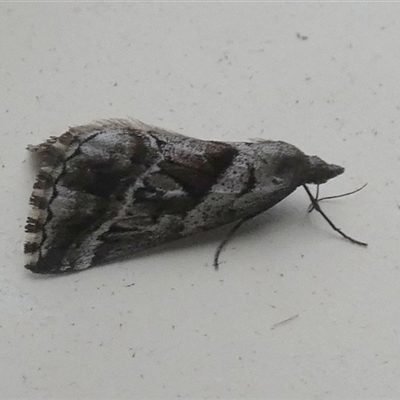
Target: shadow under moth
(108, 190)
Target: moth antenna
(227, 238)
(311, 207)
(316, 206)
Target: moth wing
(167, 204)
(105, 192)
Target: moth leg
(311, 206)
(227, 238)
(318, 208)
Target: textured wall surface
(322, 76)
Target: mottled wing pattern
(174, 185)
(106, 191)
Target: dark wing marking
(197, 173)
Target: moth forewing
(108, 190)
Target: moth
(108, 190)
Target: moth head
(319, 171)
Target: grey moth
(108, 190)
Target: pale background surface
(228, 71)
